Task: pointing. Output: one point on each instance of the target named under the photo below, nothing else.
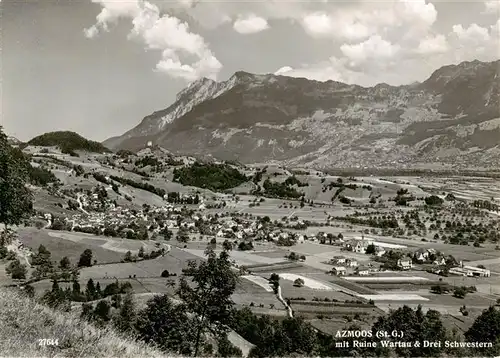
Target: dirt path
(80, 204)
(280, 298)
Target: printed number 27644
(48, 342)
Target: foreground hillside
(451, 118)
(25, 323)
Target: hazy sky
(98, 67)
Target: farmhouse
(405, 264)
(358, 246)
(301, 238)
(362, 271)
(421, 255)
(440, 261)
(379, 251)
(351, 263)
(338, 260)
(339, 270)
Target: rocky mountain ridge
(451, 118)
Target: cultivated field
(308, 282)
(66, 244)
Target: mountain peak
(456, 72)
(243, 74)
(195, 86)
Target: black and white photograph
(249, 178)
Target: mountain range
(452, 118)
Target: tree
(141, 252)
(112, 289)
(370, 249)
(87, 310)
(76, 291)
(85, 258)
(98, 292)
(433, 200)
(125, 320)
(183, 238)
(298, 282)
(127, 257)
(90, 291)
(274, 280)
(165, 273)
(102, 312)
(166, 325)
(209, 298)
(57, 297)
(226, 245)
(274, 277)
(486, 328)
(42, 257)
(16, 270)
(167, 234)
(416, 326)
(29, 291)
(64, 264)
(272, 338)
(245, 245)
(226, 349)
(43, 270)
(16, 201)
(460, 292)
(116, 301)
(437, 289)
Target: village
(342, 248)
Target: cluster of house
(174, 216)
(343, 266)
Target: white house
(379, 251)
(362, 271)
(338, 260)
(351, 263)
(421, 255)
(339, 270)
(189, 224)
(358, 246)
(405, 264)
(440, 261)
(171, 224)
